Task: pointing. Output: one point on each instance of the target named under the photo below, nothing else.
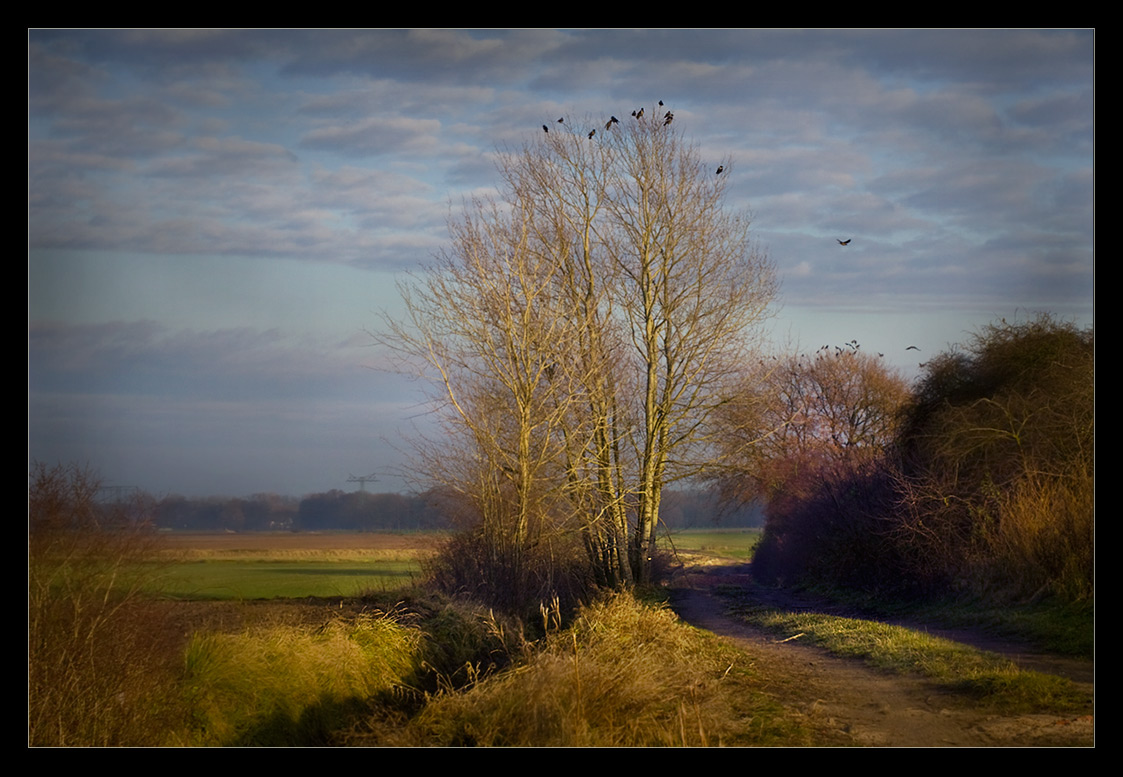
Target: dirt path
(848, 703)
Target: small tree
(797, 414)
(808, 434)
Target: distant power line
(362, 480)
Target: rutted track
(849, 703)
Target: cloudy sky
(216, 219)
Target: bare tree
(693, 290)
(838, 406)
(583, 333)
(485, 328)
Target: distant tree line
(331, 510)
(337, 510)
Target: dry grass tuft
(623, 675)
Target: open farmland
(290, 565)
(695, 544)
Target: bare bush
(98, 668)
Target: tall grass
(286, 684)
(623, 675)
(101, 664)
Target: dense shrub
(998, 457)
(988, 488)
(513, 578)
(832, 531)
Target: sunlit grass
(288, 684)
(625, 674)
(735, 544)
(285, 579)
(983, 676)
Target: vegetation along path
(851, 703)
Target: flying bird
(719, 169)
(845, 242)
(912, 348)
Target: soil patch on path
(849, 703)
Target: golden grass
(624, 674)
(290, 684)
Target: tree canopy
(582, 330)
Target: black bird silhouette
(608, 124)
(660, 103)
(546, 129)
(561, 120)
(719, 169)
(668, 118)
(591, 133)
(912, 348)
(845, 242)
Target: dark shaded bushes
(989, 488)
(513, 578)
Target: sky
(219, 220)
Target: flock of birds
(668, 117)
(854, 347)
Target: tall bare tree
(693, 290)
(583, 333)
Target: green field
(264, 566)
(732, 544)
(274, 579)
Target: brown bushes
(99, 666)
